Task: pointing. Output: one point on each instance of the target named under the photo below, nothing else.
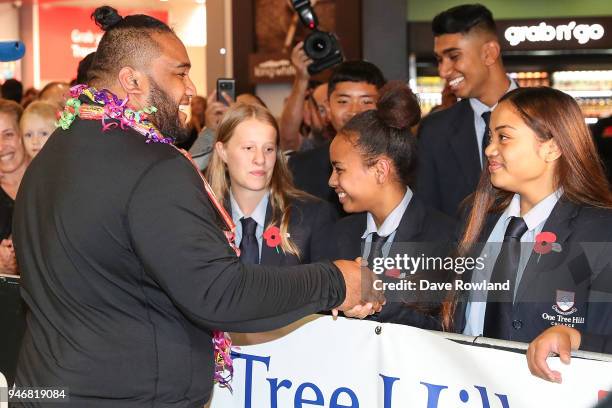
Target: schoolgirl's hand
(558, 340)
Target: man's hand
(361, 298)
(300, 61)
(215, 110)
(559, 340)
(361, 311)
(8, 261)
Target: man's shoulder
(121, 153)
(126, 141)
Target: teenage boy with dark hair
(352, 88)
(452, 141)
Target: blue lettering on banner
(434, 391)
(433, 394)
(484, 397)
(388, 389)
(299, 400)
(274, 386)
(333, 402)
(248, 380)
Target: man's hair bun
(106, 17)
(397, 106)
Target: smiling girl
(276, 224)
(543, 183)
(373, 158)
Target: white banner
(351, 363)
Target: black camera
(322, 47)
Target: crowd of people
(350, 170)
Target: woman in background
(13, 163)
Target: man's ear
(491, 52)
(132, 81)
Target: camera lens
(317, 45)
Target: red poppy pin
(273, 237)
(545, 243)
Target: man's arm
(293, 112)
(175, 234)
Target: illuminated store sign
(564, 34)
(544, 32)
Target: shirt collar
(480, 108)
(259, 213)
(393, 219)
(537, 215)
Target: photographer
(304, 105)
(203, 145)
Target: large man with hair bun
(127, 272)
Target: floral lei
(110, 107)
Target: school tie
(486, 116)
(249, 248)
(498, 314)
(375, 248)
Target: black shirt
(125, 273)
(6, 214)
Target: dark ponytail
(386, 130)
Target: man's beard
(167, 117)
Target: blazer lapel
(411, 224)
(464, 143)
(270, 255)
(559, 222)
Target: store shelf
(589, 94)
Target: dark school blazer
(572, 287)
(449, 163)
(419, 225)
(311, 225)
(311, 170)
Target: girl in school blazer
(248, 172)
(373, 159)
(543, 168)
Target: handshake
(361, 298)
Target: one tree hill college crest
(565, 303)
